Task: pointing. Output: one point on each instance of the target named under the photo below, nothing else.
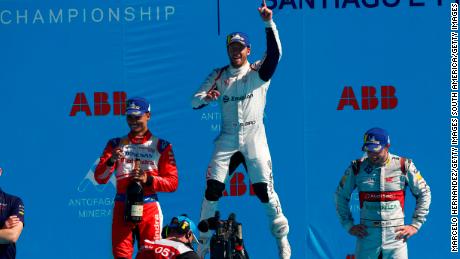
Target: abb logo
(369, 100)
(237, 186)
(351, 256)
(101, 105)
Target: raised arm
(273, 53)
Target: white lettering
(38, 16)
(54, 18)
(144, 13)
(169, 11)
(97, 18)
(115, 15)
(72, 13)
(147, 13)
(19, 16)
(129, 14)
(2, 18)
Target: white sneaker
(284, 248)
(203, 248)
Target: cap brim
(238, 41)
(195, 239)
(372, 147)
(134, 112)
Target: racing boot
(203, 247)
(208, 209)
(280, 229)
(284, 249)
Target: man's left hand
(140, 176)
(404, 232)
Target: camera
(227, 240)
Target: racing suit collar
(236, 71)
(389, 157)
(139, 139)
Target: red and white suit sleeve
(103, 171)
(167, 179)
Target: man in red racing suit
(158, 174)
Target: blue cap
(137, 106)
(239, 37)
(375, 140)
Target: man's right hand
(212, 95)
(117, 153)
(359, 231)
(265, 13)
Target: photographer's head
(182, 229)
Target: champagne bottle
(135, 197)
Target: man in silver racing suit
(242, 88)
(381, 179)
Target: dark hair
(176, 227)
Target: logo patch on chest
(370, 180)
(368, 169)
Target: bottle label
(137, 210)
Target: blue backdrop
(59, 58)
